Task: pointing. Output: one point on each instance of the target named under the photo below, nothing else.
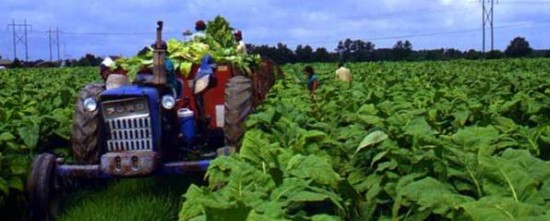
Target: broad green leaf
(371, 120)
(367, 109)
(500, 208)
(433, 196)
(18, 164)
(268, 210)
(325, 217)
(238, 212)
(460, 117)
(476, 138)
(372, 138)
(387, 165)
(418, 127)
(192, 206)
(6, 136)
(16, 183)
(505, 178)
(29, 134)
(315, 134)
(313, 167)
(4, 186)
(378, 157)
(307, 196)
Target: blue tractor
(150, 128)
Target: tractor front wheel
(238, 104)
(41, 188)
(85, 134)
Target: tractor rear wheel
(41, 188)
(85, 138)
(238, 104)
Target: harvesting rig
(146, 128)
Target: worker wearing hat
(200, 30)
(112, 79)
(241, 46)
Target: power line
(487, 16)
(20, 38)
(115, 33)
(430, 34)
(522, 3)
(532, 2)
(56, 41)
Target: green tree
(519, 47)
(89, 60)
(355, 50)
(473, 54)
(304, 53)
(494, 54)
(321, 55)
(402, 50)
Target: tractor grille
(129, 124)
(130, 133)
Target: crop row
(36, 107)
(460, 140)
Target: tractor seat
(116, 80)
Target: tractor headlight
(168, 101)
(90, 104)
(201, 83)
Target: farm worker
(241, 46)
(312, 80)
(171, 78)
(112, 80)
(343, 73)
(200, 28)
(104, 67)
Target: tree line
(360, 51)
(347, 50)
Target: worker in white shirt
(241, 47)
(343, 73)
(200, 30)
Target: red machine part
(213, 97)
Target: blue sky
(122, 27)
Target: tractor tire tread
(85, 138)
(238, 105)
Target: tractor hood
(131, 90)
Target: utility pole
(20, 38)
(56, 42)
(487, 16)
(50, 41)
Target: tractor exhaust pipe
(159, 56)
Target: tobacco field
(451, 140)
(456, 140)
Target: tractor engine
(131, 130)
(127, 116)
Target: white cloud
(317, 23)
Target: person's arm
(314, 86)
